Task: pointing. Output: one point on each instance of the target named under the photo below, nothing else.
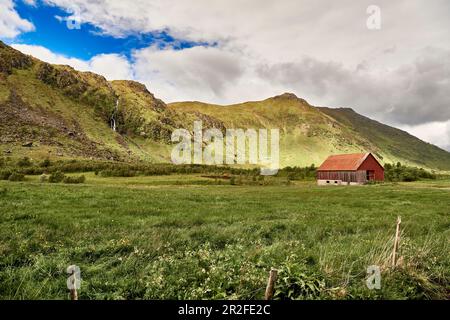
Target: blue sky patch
(87, 41)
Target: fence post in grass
(73, 281)
(396, 242)
(271, 284)
(73, 294)
(73, 288)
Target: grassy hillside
(309, 134)
(58, 112)
(67, 114)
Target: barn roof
(343, 162)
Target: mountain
(57, 112)
(309, 134)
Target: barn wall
(347, 176)
(371, 164)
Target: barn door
(370, 175)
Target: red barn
(357, 168)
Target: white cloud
(278, 30)
(111, 66)
(30, 2)
(208, 68)
(11, 24)
(46, 55)
(412, 93)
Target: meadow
(186, 236)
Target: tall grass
(211, 242)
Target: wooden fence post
(73, 284)
(73, 294)
(396, 242)
(271, 284)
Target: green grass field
(184, 237)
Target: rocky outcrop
(128, 89)
(12, 59)
(86, 87)
(210, 122)
(289, 96)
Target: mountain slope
(306, 135)
(65, 113)
(309, 134)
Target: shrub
(74, 180)
(4, 174)
(295, 282)
(298, 173)
(31, 171)
(16, 177)
(45, 164)
(24, 162)
(400, 172)
(56, 177)
(119, 172)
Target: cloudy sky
(231, 51)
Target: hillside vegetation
(52, 111)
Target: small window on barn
(335, 182)
(328, 181)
